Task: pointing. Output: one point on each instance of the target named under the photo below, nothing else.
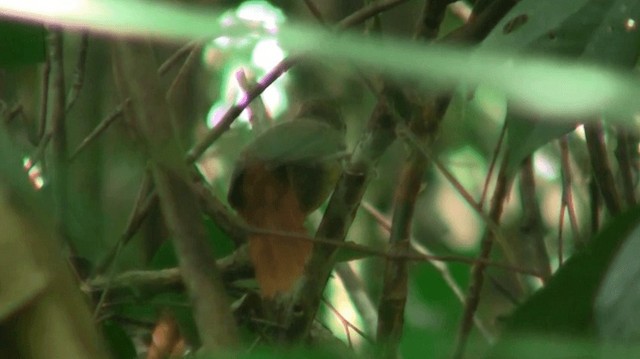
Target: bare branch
(602, 170)
(179, 204)
(102, 126)
(78, 74)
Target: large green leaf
(529, 21)
(118, 340)
(616, 306)
(564, 307)
(543, 86)
(597, 31)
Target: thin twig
(441, 267)
(235, 111)
(500, 194)
(623, 155)
(183, 72)
(78, 74)
(110, 277)
(346, 322)
(145, 199)
(117, 113)
(266, 81)
(346, 198)
(314, 11)
(494, 159)
(60, 177)
(358, 294)
(234, 266)
(395, 278)
(432, 15)
(567, 192)
(38, 155)
(339, 215)
(368, 12)
(178, 202)
(594, 133)
(177, 56)
(409, 254)
(481, 23)
(563, 207)
(532, 230)
(596, 204)
(44, 100)
(452, 180)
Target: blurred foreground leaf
(564, 307)
(616, 306)
(532, 83)
(602, 32)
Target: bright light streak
(275, 101)
(267, 54)
(630, 25)
(580, 132)
(544, 166)
(222, 41)
(34, 171)
(261, 12)
(20, 8)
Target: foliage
(129, 163)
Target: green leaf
(118, 341)
(616, 306)
(220, 241)
(564, 307)
(526, 135)
(600, 31)
(21, 44)
(535, 18)
(543, 86)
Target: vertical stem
(60, 172)
(596, 203)
(531, 228)
(601, 167)
(623, 155)
(394, 290)
(477, 271)
(567, 193)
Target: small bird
(282, 176)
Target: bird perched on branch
(282, 176)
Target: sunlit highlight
(345, 310)
(255, 52)
(267, 54)
(42, 7)
(544, 166)
(34, 172)
(223, 41)
(580, 132)
(630, 25)
(261, 12)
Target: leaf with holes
(603, 32)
